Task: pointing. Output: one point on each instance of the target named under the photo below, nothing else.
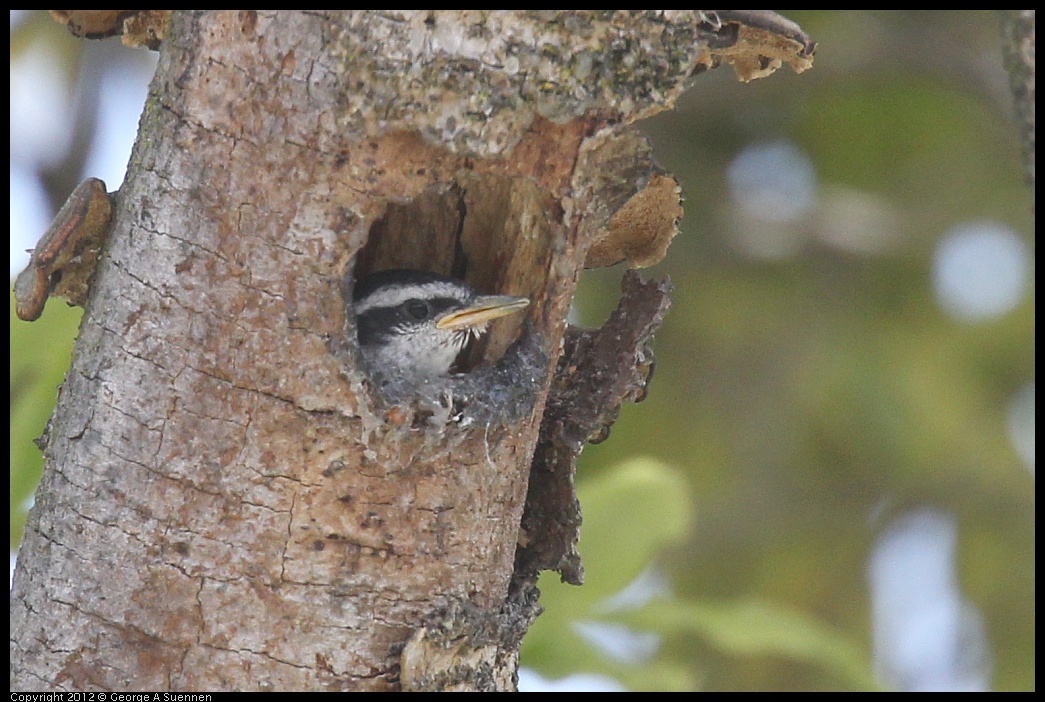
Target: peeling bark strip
(226, 504)
(598, 371)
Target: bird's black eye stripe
(380, 323)
(376, 325)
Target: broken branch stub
(63, 261)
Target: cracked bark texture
(226, 504)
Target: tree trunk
(227, 502)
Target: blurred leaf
(630, 514)
(755, 627)
(634, 511)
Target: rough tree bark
(1018, 47)
(228, 503)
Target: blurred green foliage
(639, 508)
(39, 359)
(800, 401)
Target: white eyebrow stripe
(395, 295)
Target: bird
(414, 324)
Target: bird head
(416, 323)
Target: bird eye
(418, 309)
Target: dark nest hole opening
(491, 231)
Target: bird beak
(482, 310)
